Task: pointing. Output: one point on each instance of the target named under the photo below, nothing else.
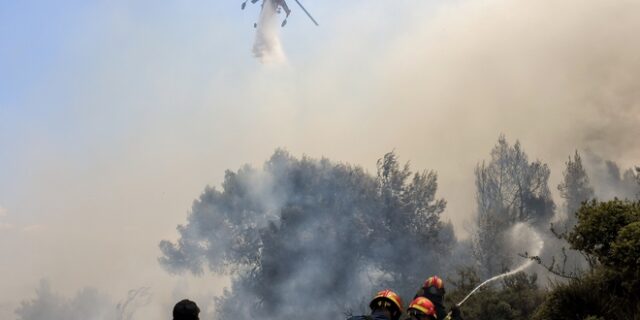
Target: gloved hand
(455, 312)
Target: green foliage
(609, 232)
(625, 251)
(600, 293)
(515, 298)
(599, 228)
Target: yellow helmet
(388, 299)
(423, 306)
(434, 281)
(433, 286)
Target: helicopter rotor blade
(307, 12)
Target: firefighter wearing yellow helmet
(422, 308)
(385, 305)
(433, 289)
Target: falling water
(267, 47)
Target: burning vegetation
(318, 237)
(302, 230)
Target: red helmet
(433, 286)
(422, 306)
(385, 299)
(434, 281)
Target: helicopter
(278, 6)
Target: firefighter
(433, 289)
(422, 308)
(186, 310)
(385, 305)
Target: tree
(638, 182)
(575, 188)
(509, 189)
(609, 233)
(625, 183)
(313, 235)
(611, 181)
(412, 230)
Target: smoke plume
(611, 181)
(312, 235)
(267, 47)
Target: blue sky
(56, 54)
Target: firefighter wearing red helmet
(422, 308)
(433, 289)
(385, 305)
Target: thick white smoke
(267, 47)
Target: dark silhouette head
(186, 310)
